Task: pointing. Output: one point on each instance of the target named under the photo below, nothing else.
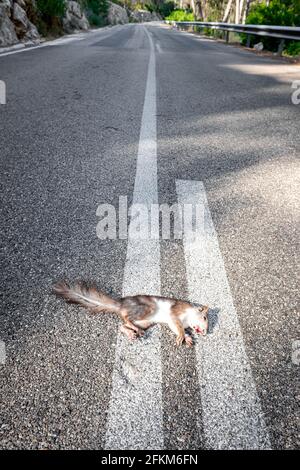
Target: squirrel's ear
(204, 308)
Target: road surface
(158, 116)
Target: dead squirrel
(139, 312)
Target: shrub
(150, 7)
(96, 11)
(181, 15)
(98, 7)
(49, 16)
(278, 12)
(51, 8)
(137, 6)
(165, 9)
(293, 48)
(95, 20)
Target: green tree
(181, 15)
(96, 11)
(98, 7)
(51, 8)
(49, 15)
(166, 8)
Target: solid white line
(231, 412)
(56, 42)
(60, 41)
(135, 417)
(14, 47)
(18, 51)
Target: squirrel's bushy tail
(88, 297)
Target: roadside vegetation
(280, 13)
(263, 12)
(96, 11)
(50, 16)
(163, 8)
(181, 15)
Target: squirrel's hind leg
(131, 331)
(131, 334)
(135, 328)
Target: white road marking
(159, 49)
(231, 411)
(2, 353)
(61, 41)
(25, 49)
(58, 42)
(135, 416)
(14, 47)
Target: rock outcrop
(8, 35)
(14, 23)
(25, 30)
(74, 19)
(258, 47)
(156, 16)
(17, 18)
(117, 14)
(140, 16)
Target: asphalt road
(70, 136)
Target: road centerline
(231, 411)
(135, 415)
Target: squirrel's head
(199, 320)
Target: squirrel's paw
(179, 340)
(189, 341)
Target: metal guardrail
(281, 32)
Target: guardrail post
(248, 40)
(281, 47)
(227, 36)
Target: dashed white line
(231, 411)
(135, 416)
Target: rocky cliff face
(25, 30)
(15, 15)
(74, 19)
(14, 23)
(7, 31)
(117, 14)
(140, 16)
